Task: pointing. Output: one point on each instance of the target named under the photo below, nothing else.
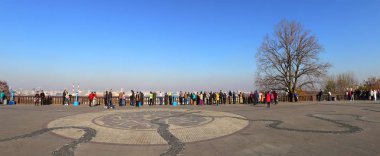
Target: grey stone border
(372, 110)
(175, 145)
(67, 149)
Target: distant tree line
(340, 83)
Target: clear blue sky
(171, 44)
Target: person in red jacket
(91, 97)
(268, 97)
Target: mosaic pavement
(140, 126)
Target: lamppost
(12, 101)
(76, 103)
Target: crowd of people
(138, 99)
(39, 98)
(351, 95)
(358, 94)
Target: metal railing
(115, 100)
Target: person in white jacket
(375, 95)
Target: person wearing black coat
(42, 97)
(142, 98)
(132, 98)
(234, 97)
(105, 97)
(109, 98)
(63, 97)
(229, 97)
(255, 98)
(320, 94)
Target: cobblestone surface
(175, 145)
(296, 129)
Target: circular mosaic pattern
(141, 120)
(136, 126)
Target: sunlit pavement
(314, 128)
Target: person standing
(154, 98)
(217, 98)
(160, 97)
(207, 98)
(2, 95)
(132, 98)
(375, 94)
(201, 98)
(150, 99)
(268, 99)
(350, 95)
(221, 97)
(234, 97)
(229, 97)
(320, 94)
(170, 98)
(184, 96)
(138, 99)
(105, 97)
(275, 97)
(90, 98)
(109, 97)
(272, 97)
(198, 98)
(67, 98)
(36, 99)
(94, 99)
(330, 97)
(241, 98)
(255, 98)
(142, 98)
(180, 98)
(194, 98)
(42, 97)
(121, 98)
(166, 100)
(245, 98)
(250, 100)
(64, 97)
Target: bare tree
(329, 84)
(340, 83)
(345, 81)
(290, 58)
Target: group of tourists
(138, 99)
(93, 99)
(351, 95)
(371, 94)
(39, 98)
(108, 100)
